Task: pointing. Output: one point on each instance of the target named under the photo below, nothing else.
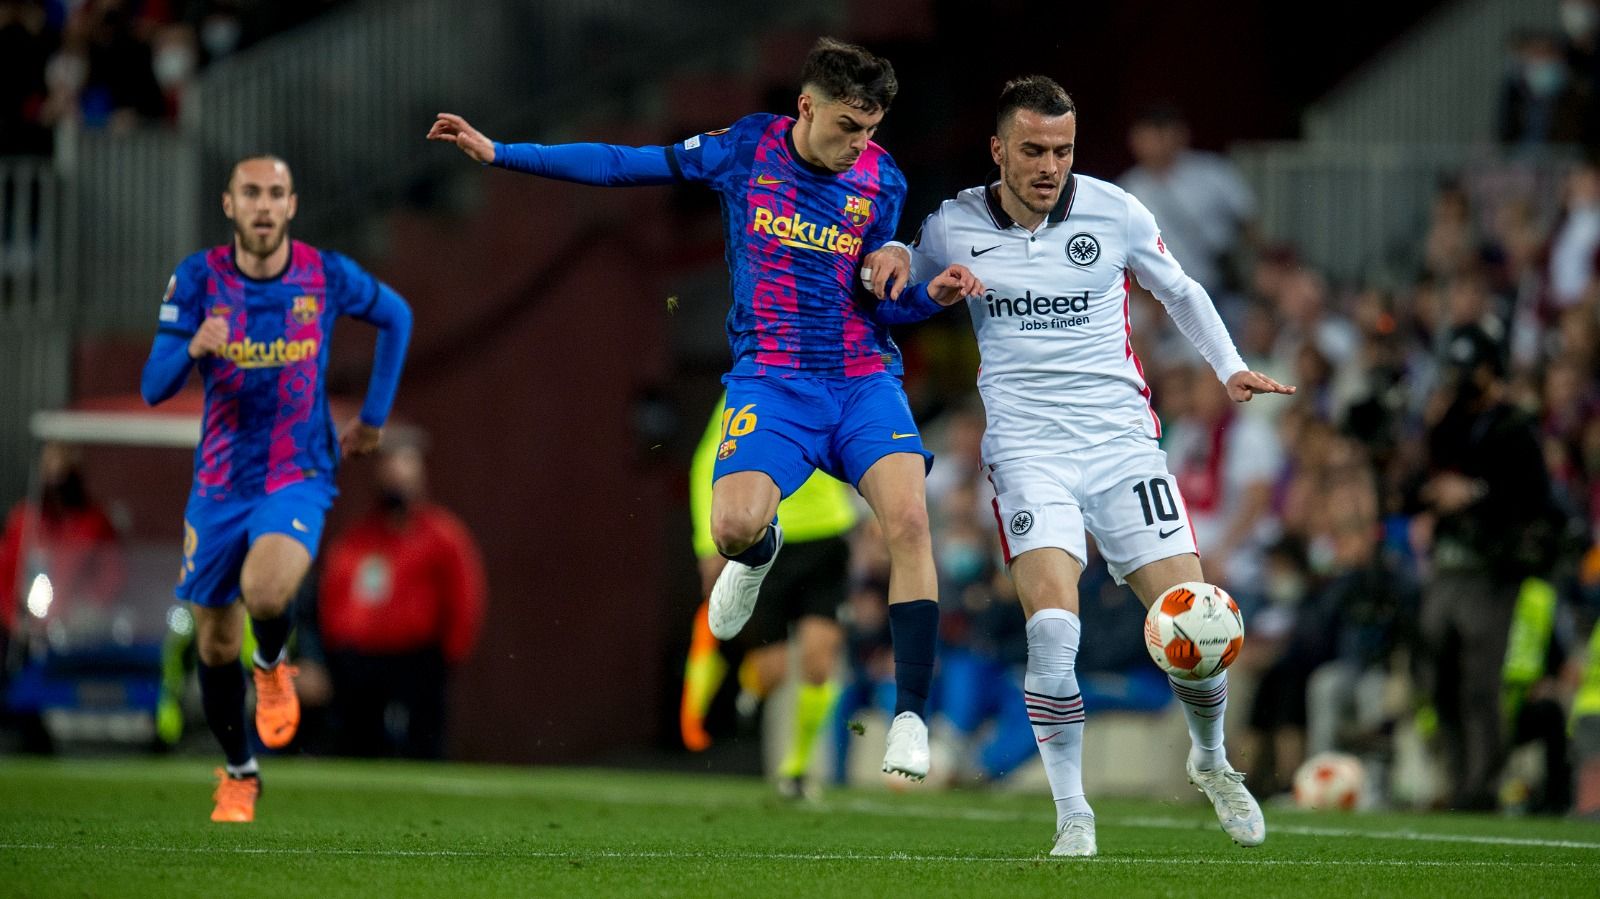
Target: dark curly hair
(1035, 93)
(850, 74)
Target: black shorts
(808, 579)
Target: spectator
(1575, 245)
(1540, 102)
(1371, 602)
(25, 45)
(65, 536)
(1202, 202)
(401, 604)
(1488, 520)
(1226, 465)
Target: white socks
(1055, 706)
(1205, 704)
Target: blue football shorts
(788, 427)
(218, 533)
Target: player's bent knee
(735, 533)
(906, 524)
(266, 596)
(215, 651)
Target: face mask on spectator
(67, 72)
(1285, 589)
(1544, 77)
(1321, 554)
(962, 562)
(1578, 20)
(220, 35)
(173, 66)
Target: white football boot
(733, 596)
(1236, 808)
(1076, 837)
(906, 751)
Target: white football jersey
(1059, 373)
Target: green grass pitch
(139, 828)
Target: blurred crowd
(114, 64)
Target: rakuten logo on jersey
(795, 231)
(1041, 313)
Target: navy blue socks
(914, 626)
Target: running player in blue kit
(256, 315)
(815, 382)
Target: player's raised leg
(272, 573)
(219, 633)
(894, 488)
(1205, 706)
(743, 526)
(1047, 587)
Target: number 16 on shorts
(735, 424)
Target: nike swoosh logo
(898, 436)
(763, 179)
(977, 252)
(1165, 534)
(295, 523)
(1049, 738)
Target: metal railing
(1438, 84)
(31, 239)
(133, 199)
(348, 99)
(1360, 211)
(35, 361)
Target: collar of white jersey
(1003, 220)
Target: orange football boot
(236, 798)
(277, 706)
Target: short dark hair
(850, 74)
(252, 157)
(1035, 93)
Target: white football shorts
(1120, 491)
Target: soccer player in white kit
(1071, 439)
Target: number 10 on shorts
(1155, 497)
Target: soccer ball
(1329, 780)
(1194, 630)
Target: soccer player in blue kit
(256, 315)
(815, 382)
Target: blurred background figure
(399, 609)
(1541, 102)
(1487, 525)
(64, 537)
(1206, 210)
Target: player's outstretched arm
(1242, 385)
(453, 129)
(604, 165)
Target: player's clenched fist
(885, 271)
(359, 438)
(211, 338)
(453, 129)
(954, 283)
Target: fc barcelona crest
(858, 208)
(305, 309)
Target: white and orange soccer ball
(1330, 780)
(1194, 630)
